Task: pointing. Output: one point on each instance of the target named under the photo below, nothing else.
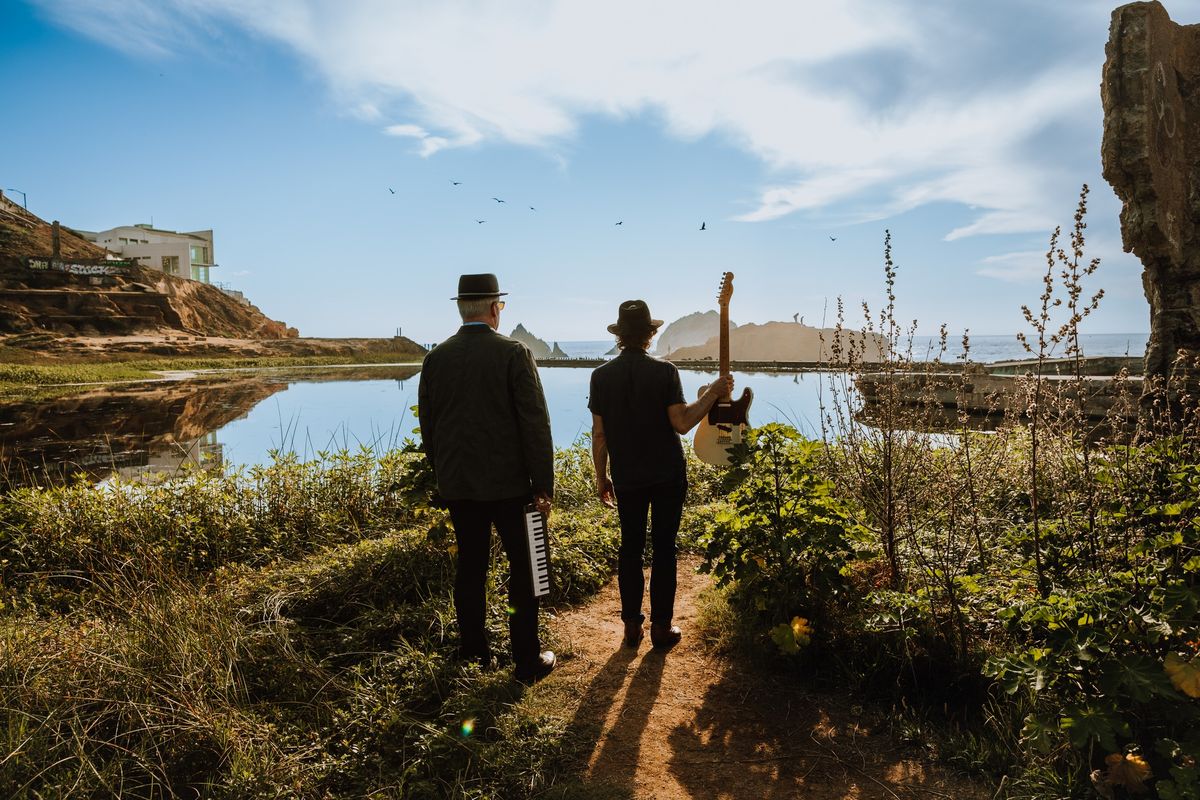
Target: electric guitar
(726, 420)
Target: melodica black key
(539, 550)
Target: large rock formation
(1151, 154)
(694, 329)
(537, 346)
(780, 341)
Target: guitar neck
(725, 342)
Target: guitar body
(727, 420)
(722, 429)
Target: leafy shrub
(785, 539)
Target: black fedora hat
(634, 317)
(474, 287)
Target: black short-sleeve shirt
(631, 394)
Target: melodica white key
(539, 550)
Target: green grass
(280, 632)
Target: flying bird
(497, 199)
(833, 238)
(702, 227)
(455, 183)
(531, 208)
(622, 222)
(480, 221)
(390, 189)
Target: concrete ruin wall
(1151, 154)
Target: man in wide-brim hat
(638, 415)
(486, 431)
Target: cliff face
(1151, 153)
(691, 331)
(138, 300)
(536, 346)
(777, 341)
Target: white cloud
(429, 144)
(882, 107)
(1027, 266)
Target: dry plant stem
(1035, 408)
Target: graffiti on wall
(81, 267)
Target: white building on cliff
(186, 254)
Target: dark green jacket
(484, 424)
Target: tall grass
(284, 631)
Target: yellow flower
(1184, 675)
(801, 630)
(1129, 771)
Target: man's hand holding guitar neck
(685, 417)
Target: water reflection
(131, 430)
(148, 430)
(162, 428)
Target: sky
(321, 141)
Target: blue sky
(965, 128)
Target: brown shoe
(664, 637)
(633, 634)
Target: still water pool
(311, 416)
(240, 419)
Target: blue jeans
(663, 503)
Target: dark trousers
(473, 522)
(664, 506)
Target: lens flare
(468, 727)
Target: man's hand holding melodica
(543, 503)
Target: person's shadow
(616, 763)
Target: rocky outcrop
(135, 300)
(693, 330)
(536, 346)
(779, 341)
(1151, 154)
(557, 352)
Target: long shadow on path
(757, 736)
(618, 760)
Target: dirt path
(690, 724)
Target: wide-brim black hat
(634, 317)
(475, 287)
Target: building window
(199, 254)
(170, 265)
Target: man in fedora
(638, 415)
(485, 430)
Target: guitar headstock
(726, 290)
